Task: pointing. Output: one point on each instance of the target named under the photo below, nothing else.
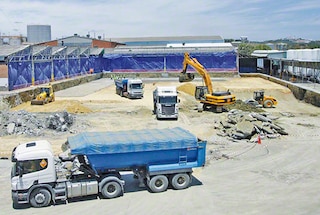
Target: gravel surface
(279, 176)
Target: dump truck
(165, 102)
(94, 162)
(45, 96)
(130, 88)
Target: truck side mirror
(178, 100)
(20, 170)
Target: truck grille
(167, 109)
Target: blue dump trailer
(158, 158)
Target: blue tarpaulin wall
(19, 74)
(42, 72)
(20, 71)
(217, 61)
(59, 69)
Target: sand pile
(71, 106)
(188, 88)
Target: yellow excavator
(45, 96)
(204, 94)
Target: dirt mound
(188, 88)
(71, 106)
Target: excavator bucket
(186, 77)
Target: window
(30, 166)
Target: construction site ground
(279, 176)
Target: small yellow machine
(45, 96)
(265, 101)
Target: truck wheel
(111, 189)
(267, 104)
(180, 181)
(40, 197)
(158, 183)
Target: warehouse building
(76, 56)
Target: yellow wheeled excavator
(208, 99)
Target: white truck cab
(165, 102)
(33, 163)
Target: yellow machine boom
(205, 93)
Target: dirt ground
(280, 176)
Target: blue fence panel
(73, 67)
(84, 65)
(216, 61)
(59, 69)
(19, 74)
(42, 72)
(174, 62)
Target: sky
(259, 20)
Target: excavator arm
(205, 93)
(186, 77)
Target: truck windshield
(167, 99)
(136, 86)
(29, 166)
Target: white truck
(94, 162)
(165, 102)
(129, 87)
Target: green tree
(245, 49)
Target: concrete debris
(247, 125)
(25, 123)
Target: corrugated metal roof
(38, 49)
(157, 49)
(6, 50)
(178, 38)
(96, 51)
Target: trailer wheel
(158, 183)
(180, 181)
(111, 189)
(40, 197)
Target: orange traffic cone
(259, 139)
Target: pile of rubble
(248, 125)
(25, 123)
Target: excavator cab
(200, 92)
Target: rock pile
(25, 123)
(247, 125)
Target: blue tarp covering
(19, 74)
(213, 61)
(20, 68)
(73, 67)
(90, 143)
(59, 69)
(42, 72)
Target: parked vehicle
(165, 102)
(158, 158)
(130, 88)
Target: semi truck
(165, 102)
(96, 161)
(129, 87)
